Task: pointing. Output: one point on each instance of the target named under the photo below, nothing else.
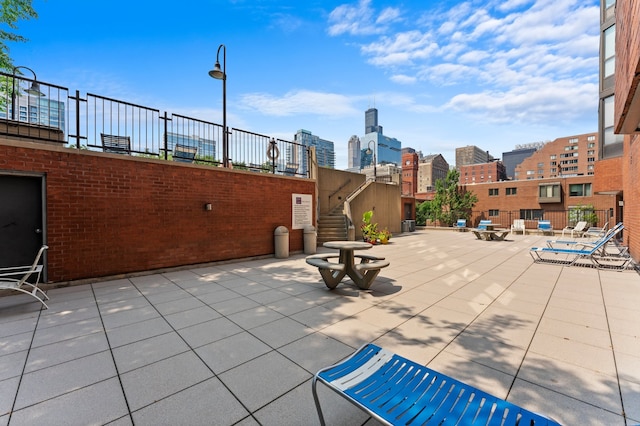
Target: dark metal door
(21, 219)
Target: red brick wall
(631, 172)
(109, 214)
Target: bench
(365, 258)
(490, 235)
(332, 273)
(397, 391)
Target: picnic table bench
(490, 234)
(362, 273)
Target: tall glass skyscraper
(324, 150)
(387, 150)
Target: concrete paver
(237, 343)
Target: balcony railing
(51, 113)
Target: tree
(11, 11)
(450, 202)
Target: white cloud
(300, 102)
(361, 19)
(403, 79)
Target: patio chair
(518, 226)
(595, 253)
(291, 169)
(184, 153)
(578, 230)
(597, 232)
(544, 227)
(15, 278)
(461, 225)
(116, 144)
(483, 224)
(397, 391)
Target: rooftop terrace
(238, 343)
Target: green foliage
(582, 212)
(449, 204)
(12, 11)
(369, 229)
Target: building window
(580, 190)
(512, 191)
(573, 140)
(531, 214)
(493, 192)
(609, 55)
(549, 193)
(552, 157)
(591, 138)
(608, 118)
(494, 212)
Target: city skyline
(491, 74)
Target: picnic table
(362, 273)
(490, 232)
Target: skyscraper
(324, 149)
(371, 121)
(354, 152)
(375, 145)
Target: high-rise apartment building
(563, 157)
(471, 154)
(353, 152)
(376, 147)
(324, 149)
(37, 110)
(206, 147)
(610, 142)
(430, 169)
(511, 159)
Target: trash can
(412, 225)
(405, 226)
(281, 240)
(310, 239)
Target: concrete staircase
(332, 227)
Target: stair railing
(351, 229)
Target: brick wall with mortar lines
(631, 171)
(109, 214)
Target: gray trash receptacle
(412, 225)
(281, 241)
(405, 226)
(310, 239)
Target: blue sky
(441, 74)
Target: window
(608, 117)
(591, 138)
(531, 214)
(573, 140)
(512, 191)
(609, 51)
(552, 157)
(494, 212)
(580, 190)
(493, 192)
(549, 193)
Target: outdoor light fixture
(370, 151)
(221, 74)
(33, 90)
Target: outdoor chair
(578, 230)
(461, 225)
(15, 278)
(518, 226)
(483, 224)
(116, 144)
(595, 253)
(291, 169)
(397, 391)
(595, 231)
(184, 153)
(544, 227)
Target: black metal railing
(90, 122)
(559, 218)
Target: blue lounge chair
(483, 224)
(595, 253)
(397, 391)
(544, 227)
(461, 225)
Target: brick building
(619, 172)
(471, 154)
(430, 169)
(409, 173)
(484, 172)
(566, 156)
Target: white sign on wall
(301, 210)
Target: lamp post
(221, 74)
(369, 152)
(33, 90)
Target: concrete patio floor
(238, 343)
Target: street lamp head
(217, 72)
(34, 89)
